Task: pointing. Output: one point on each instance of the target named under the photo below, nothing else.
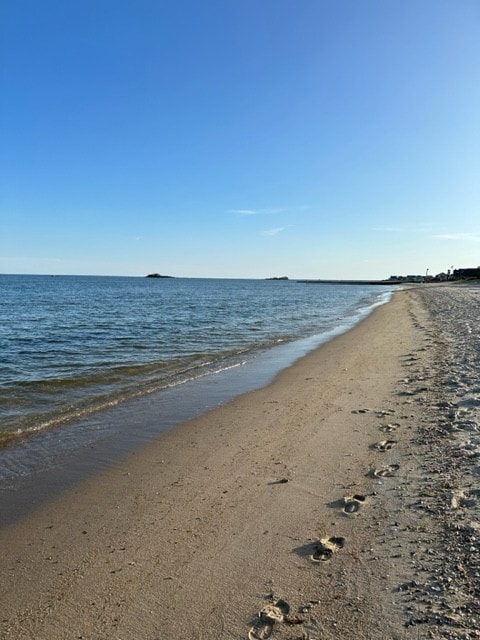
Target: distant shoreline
(359, 282)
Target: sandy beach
(340, 501)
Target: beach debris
(326, 547)
(466, 425)
(352, 504)
(366, 410)
(445, 390)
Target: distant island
(157, 275)
(278, 278)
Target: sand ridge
(277, 515)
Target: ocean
(72, 346)
(76, 348)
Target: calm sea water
(73, 345)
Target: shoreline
(215, 529)
(36, 468)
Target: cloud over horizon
(255, 212)
(469, 237)
(273, 232)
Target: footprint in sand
(261, 632)
(353, 504)
(381, 413)
(385, 445)
(326, 547)
(386, 472)
(277, 612)
(464, 498)
(389, 428)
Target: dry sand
(338, 502)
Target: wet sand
(338, 502)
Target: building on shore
(453, 274)
(462, 274)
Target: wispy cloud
(469, 237)
(387, 228)
(256, 212)
(273, 232)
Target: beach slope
(287, 513)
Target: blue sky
(240, 138)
